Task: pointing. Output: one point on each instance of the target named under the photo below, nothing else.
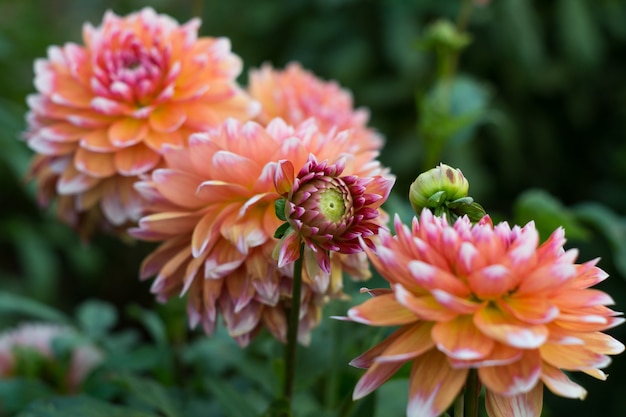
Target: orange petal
(283, 177)
(157, 141)
(535, 310)
(573, 357)
(170, 223)
(492, 281)
(509, 330)
(73, 181)
(528, 404)
(231, 167)
(601, 343)
(178, 187)
(407, 343)
(127, 132)
(515, 378)
(425, 307)
(136, 160)
(433, 385)
(500, 355)
(375, 376)
(220, 192)
(382, 310)
(97, 141)
(61, 132)
(460, 339)
(167, 118)
(431, 277)
(206, 232)
(96, 164)
(560, 384)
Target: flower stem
(472, 392)
(292, 328)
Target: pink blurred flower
(488, 298)
(327, 211)
(105, 110)
(213, 209)
(39, 337)
(295, 95)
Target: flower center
(332, 205)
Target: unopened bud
(438, 186)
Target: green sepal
(279, 208)
(436, 199)
(280, 232)
(459, 202)
(474, 211)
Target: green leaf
(152, 394)
(15, 304)
(610, 226)
(96, 318)
(17, 393)
(279, 209)
(233, 403)
(80, 406)
(152, 322)
(548, 214)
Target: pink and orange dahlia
(213, 209)
(486, 298)
(295, 95)
(105, 110)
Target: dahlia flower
(326, 211)
(487, 298)
(105, 110)
(213, 210)
(39, 337)
(295, 95)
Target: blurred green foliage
(533, 110)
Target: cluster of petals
(212, 208)
(105, 110)
(487, 298)
(295, 95)
(39, 337)
(327, 211)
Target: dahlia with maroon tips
(105, 110)
(326, 211)
(488, 298)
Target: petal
(167, 118)
(178, 187)
(515, 378)
(431, 277)
(507, 329)
(492, 281)
(560, 384)
(425, 307)
(206, 232)
(169, 223)
(235, 168)
(288, 248)
(375, 376)
(528, 404)
(96, 164)
(534, 310)
(136, 160)
(460, 339)
(127, 132)
(73, 181)
(573, 357)
(433, 385)
(220, 192)
(284, 177)
(410, 341)
(500, 355)
(97, 141)
(382, 310)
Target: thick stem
(292, 328)
(472, 393)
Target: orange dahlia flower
(213, 209)
(105, 110)
(295, 95)
(486, 298)
(39, 337)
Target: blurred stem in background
(437, 123)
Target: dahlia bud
(444, 190)
(326, 211)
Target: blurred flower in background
(487, 298)
(104, 111)
(295, 95)
(15, 359)
(213, 209)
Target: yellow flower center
(332, 205)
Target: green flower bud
(438, 186)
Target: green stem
(472, 393)
(459, 402)
(292, 329)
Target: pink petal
(515, 378)
(375, 376)
(289, 248)
(284, 177)
(460, 339)
(425, 307)
(178, 187)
